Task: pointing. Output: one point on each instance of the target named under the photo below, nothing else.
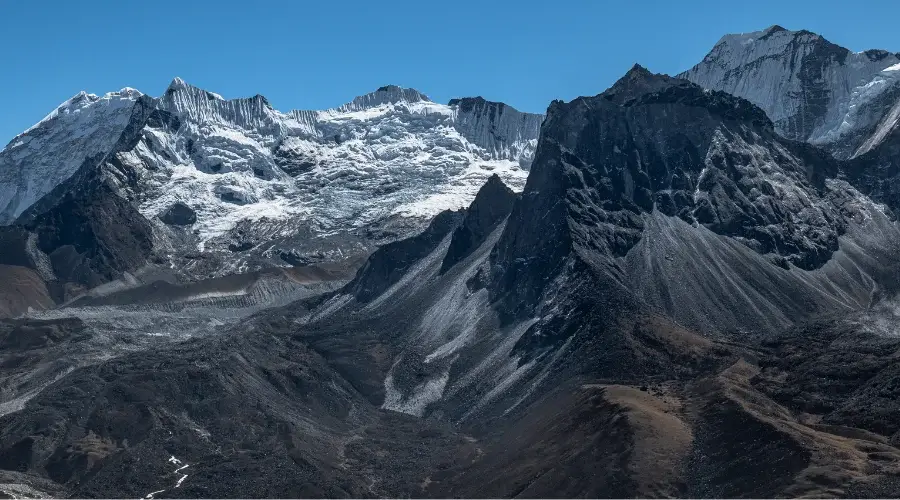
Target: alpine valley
(684, 286)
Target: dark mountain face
(687, 197)
(876, 172)
(489, 209)
(390, 263)
(652, 143)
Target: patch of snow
(419, 398)
(174, 461)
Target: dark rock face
(94, 239)
(877, 172)
(492, 204)
(389, 263)
(89, 238)
(649, 186)
(179, 214)
(87, 228)
(657, 144)
(293, 162)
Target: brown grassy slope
(22, 289)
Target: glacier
(243, 166)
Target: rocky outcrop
(179, 214)
(657, 176)
(391, 262)
(491, 206)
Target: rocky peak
(52, 150)
(773, 41)
(387, 265)
(199, 106)
(657, 145)
(177, 84)
(639, 81)
(812, 89)
(388, 94)
(492, 204)
(876, 55)
(479, 104)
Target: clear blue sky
(318, 54)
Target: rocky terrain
(691, 295)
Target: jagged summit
(639, 85)
(812, 89)
(638, 81)
(388, 94)
(637, 69)
(779, 37)
(52, 150)
(469, 103)
(490, 207)
(177, 83)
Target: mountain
(812, 89)
(680, 301)
(646, 296)
(206, 187)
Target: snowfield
(390, 153)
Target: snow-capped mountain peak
(82, 100)
(253, 175)
(388, 94)
(51, 151)
(812, 89)
(177, 83)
